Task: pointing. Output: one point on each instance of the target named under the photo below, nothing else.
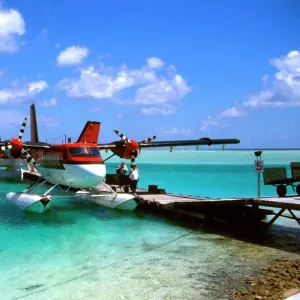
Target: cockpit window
(84, 151)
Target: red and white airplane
(70, 166)
(79, 166)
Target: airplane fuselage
(78, 165)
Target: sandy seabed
(277, 281)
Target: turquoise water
(79, 250)
(207, 173)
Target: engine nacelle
(131, 149)
(125, 150)
(15, 151)
(31, 203)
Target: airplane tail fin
(33, 125)
(90, 133)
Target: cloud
(285, 88)
(120, 116)
(97, 85)
(97, 109)
(12, 27)
(11, 118)
(43, 34)
(145, 86)
(209, 122)
(216, 121)
(73, 55)
(45, 120)
(162, 91)
(50, 122)
(51, 102)
(232, 112)
(161, 110)
(282, 91)
(265, 79)
(176, 131)
(20, 92)
(154, 63)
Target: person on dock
(134, 177)
(122, 168)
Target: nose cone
(87, 175)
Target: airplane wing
(36, 146)
(106, 146)
(202, 141)
(3, 143)
(28, 146)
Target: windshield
(84, 151)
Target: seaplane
(76, 167)
(79, 168)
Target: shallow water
(79, 250)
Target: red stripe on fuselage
(70, 153)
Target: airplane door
(65, 154)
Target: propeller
(15, 144)
(17, 147)
(132, 147)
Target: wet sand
(273, 283)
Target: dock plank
(286, 202)
(181, 201)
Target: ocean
(80, 250)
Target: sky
(174, 69)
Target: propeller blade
(145, 141)
(29, 158)
(122, 136)
(132, 159)
(6, 147)
(149, 139)
(22, 129)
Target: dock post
(258, 185)
(259, 167)
(258, 163)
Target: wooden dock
(176, 201)
(224, 209)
